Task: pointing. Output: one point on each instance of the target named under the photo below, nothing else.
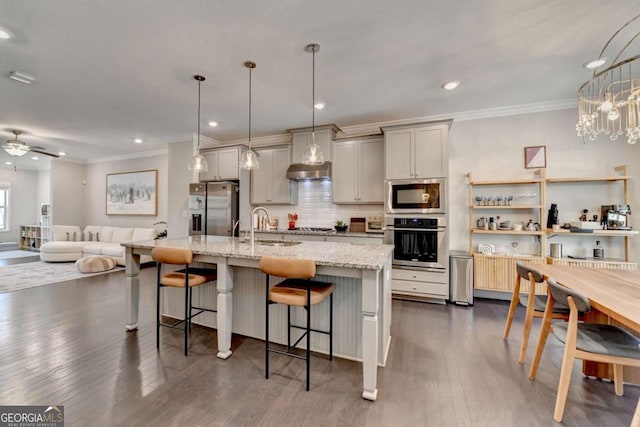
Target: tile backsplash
(315, 208)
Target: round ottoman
(62, 251)
(95, 264)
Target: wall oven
(421, 196)
(418, 242)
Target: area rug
(31, 274)
(17, 254)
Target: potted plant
(341, 226)
(161, 230)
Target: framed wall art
(535, 157)
(132, 193)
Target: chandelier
(609, 103)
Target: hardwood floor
(448, 366)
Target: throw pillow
(90, 236)
(82, 236)
(74, 237)
(68, 237)
(97, 236)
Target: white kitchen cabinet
(356, 170)
(269, 183)
(301, 138)
(416, 151)
(222, 163)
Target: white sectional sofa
(69, 243)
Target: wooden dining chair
(589, 341)
(535, 305)
(635, 422)
(187, 279)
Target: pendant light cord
(313, 94)
(199, 82)
(250, 108)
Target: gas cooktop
(317, 229)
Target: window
(5, 189)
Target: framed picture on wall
(132, 193)
(535, 157)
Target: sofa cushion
(121, 235)
(93, 248)
(92, 233)
(59, 232)
(61, 247)
(112, 249)
(106, 234)
(143, 234)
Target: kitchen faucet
(259, 208)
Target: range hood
(300, 171)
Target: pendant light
(198, 162)
(249, 159)
(312, 155)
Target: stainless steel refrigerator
(214, 208)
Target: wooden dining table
(615, 298)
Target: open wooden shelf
(599, 233)
(522, 233)
(508, 207)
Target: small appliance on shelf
(374, 224)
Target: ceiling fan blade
(42, 152)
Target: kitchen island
(361, 273)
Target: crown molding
(262, 141)
(191, 136)
(462, 116)
(153, 153)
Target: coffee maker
(615, 217)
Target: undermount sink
(266, 242)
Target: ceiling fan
(15, 147)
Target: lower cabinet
(420, 285)
(269, 183)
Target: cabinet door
(260, 178)
(344, 172)
(430, 152)
(300, 141)
(280, 188)
(212, 162)
(398, 154)
(228, 163)
(371, 164)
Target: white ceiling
(111, 71)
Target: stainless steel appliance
(418, 242)
(197, 200)
(615, 217)
(460, 278)
(213, 208)
(421, 196)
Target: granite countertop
(330, 254)
(320, 233)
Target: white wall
(68, 201)
(23, 204)
(493, 149)
(44, 187)
(96, 185)
(178, 188)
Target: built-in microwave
(427, 196)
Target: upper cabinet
(269, 183)
(416, 151)
(357, 163)
(222, 163)
(301, 138)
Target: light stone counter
(361, 273)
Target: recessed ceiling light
(21, 77)
(62, 153)
(137, 141)
(594, 63)
(35, 158)
(319, 105)
(8, 163)
(450, 85)
(4, 34)
(213, 124)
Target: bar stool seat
(187, 278)
(296, 290)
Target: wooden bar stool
(535, 305)
(295, 290)
(186, 278)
